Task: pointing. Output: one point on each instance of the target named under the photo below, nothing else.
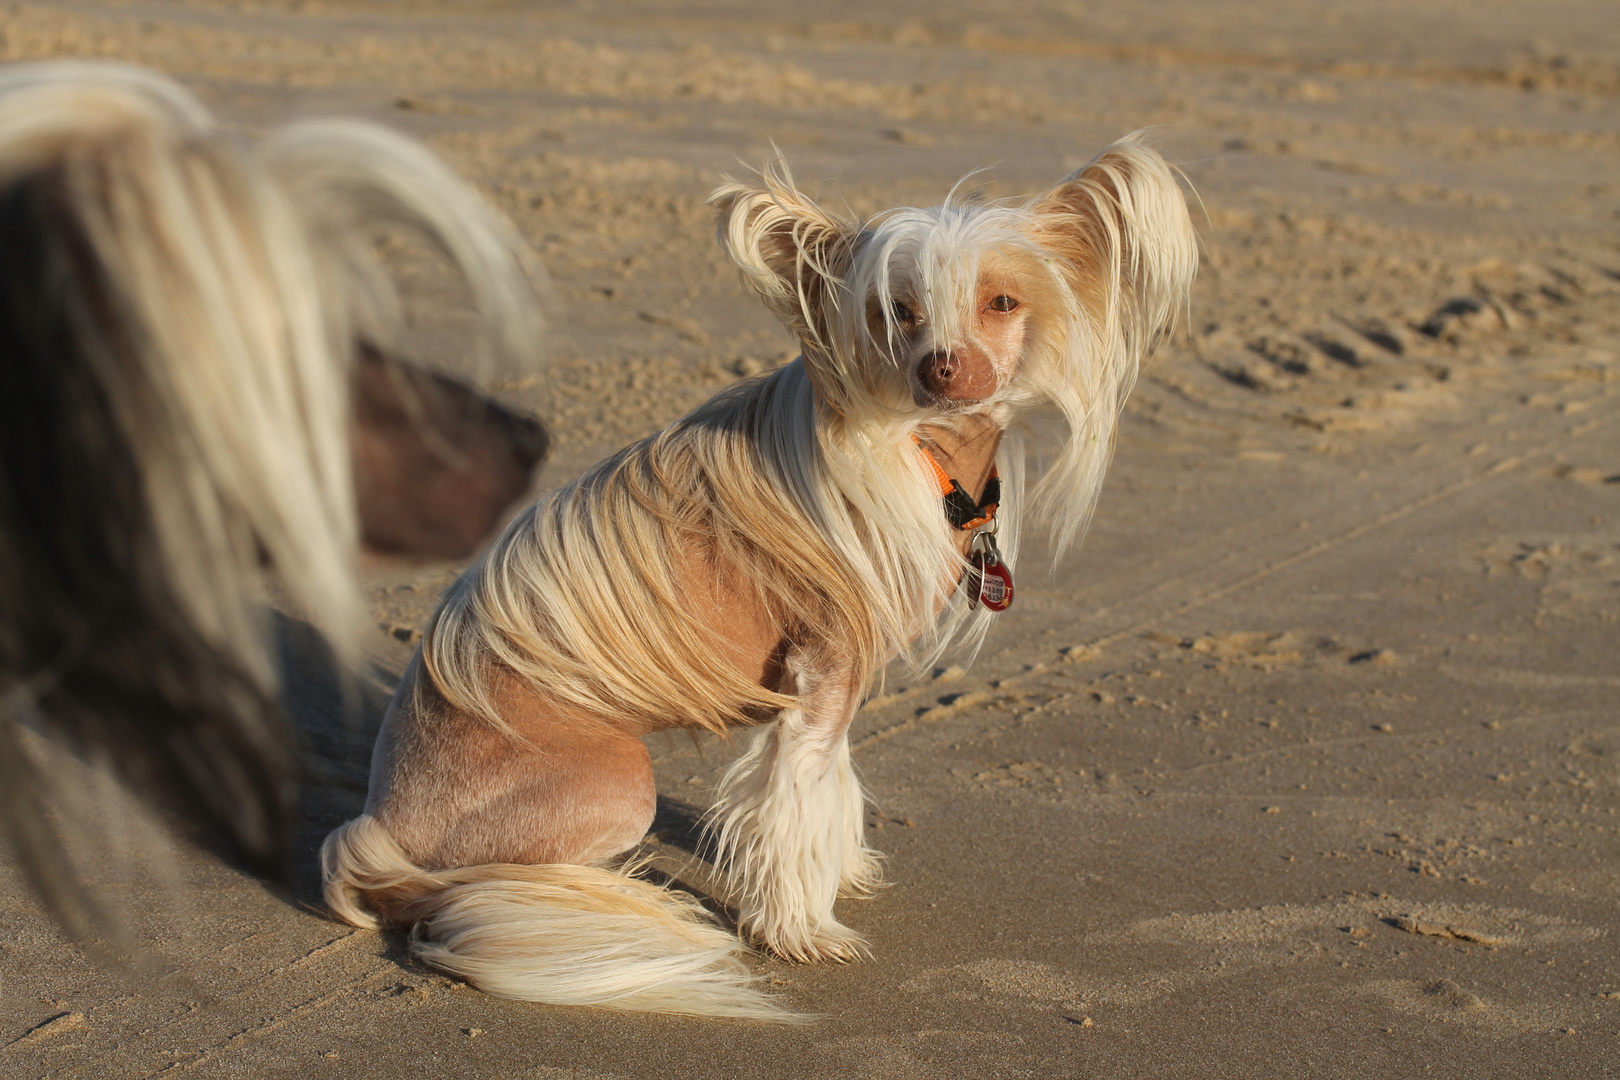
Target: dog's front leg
(787, 824)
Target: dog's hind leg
(787, 826)
(497, 854)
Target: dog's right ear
(1121, 229)
(790, 250)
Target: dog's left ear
(1121, 228)
(788, 248)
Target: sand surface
(1307, 764)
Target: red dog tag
(992, 581)
(995, 582)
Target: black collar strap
(960, 509)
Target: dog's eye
(902, 312)
(1003, 303)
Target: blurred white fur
(190, 304)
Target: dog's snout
(961, 375)
(938, 370)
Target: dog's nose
(938, 370)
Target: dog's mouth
(946, 377)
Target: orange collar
(960, 508)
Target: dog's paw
(829, 941)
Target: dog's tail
(560, 934)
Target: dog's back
(659, 590)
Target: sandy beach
(1306, 764)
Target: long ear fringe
(1121, 223)
(1125, 256)
(794, 255)
(781, 241)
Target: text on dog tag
(994, 580)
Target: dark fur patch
(92, 638)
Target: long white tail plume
(560, 934)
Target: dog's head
(969, 306)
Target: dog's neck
(965, 447)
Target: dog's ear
(790, 250)
(437, 463)
(1121, 228)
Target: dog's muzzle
(948, 375)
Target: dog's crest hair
(179, 314)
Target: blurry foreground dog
(756, 564)
(199, 384)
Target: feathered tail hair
(179, 315)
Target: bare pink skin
(569, 788)
(984, 355)
(574, 785)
